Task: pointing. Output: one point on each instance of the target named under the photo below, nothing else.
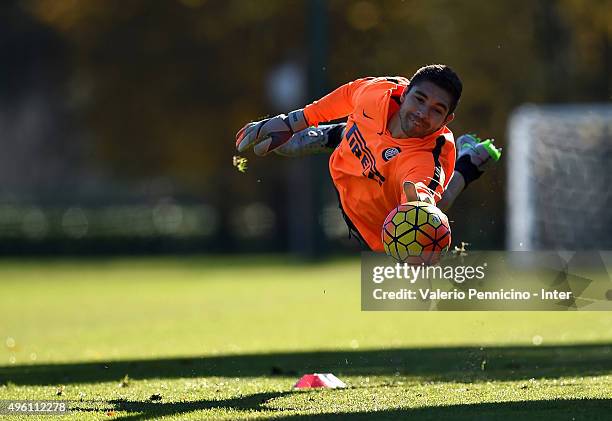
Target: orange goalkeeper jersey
(369, 167)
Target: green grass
(226, 338)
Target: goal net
(560, 177)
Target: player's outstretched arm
(313, 140)
(474, 157)
(454, 188)
(267, 135)
(271, 134)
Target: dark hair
(442, 76)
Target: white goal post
(559, 178)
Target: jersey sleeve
(337, 104)
(430, 172)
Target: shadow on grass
(138, 410)
(460, 364)
(570, 409)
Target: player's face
(424, 109)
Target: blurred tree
(163, 86)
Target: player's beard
(411, 128)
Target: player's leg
(313, 140)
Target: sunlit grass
(228, 337)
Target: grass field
(226, 338)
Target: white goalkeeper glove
(314, 140)
(267, 135)
(474, 156)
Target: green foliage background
(163, 86)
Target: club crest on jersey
(390, 153)
(360, 150)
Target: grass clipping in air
(240, 163)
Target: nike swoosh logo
(366, 116)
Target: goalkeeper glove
(475, 156)
(271, 133)
(313, 140)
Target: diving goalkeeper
(394, 148)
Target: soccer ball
(416, 233)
